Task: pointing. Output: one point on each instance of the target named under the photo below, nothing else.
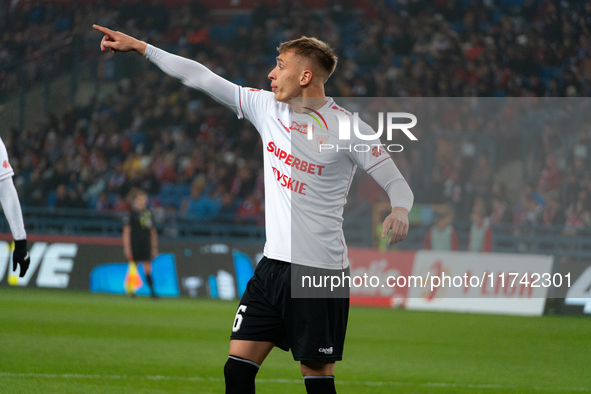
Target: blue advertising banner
(110, 278)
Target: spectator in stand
(103, 204)
(580, 169)
(121, 204)
(190, 205)
(243, 183)
(525, 209)
(62, 200)
(75, 201)
(578, 219)
(550, 138)
(452, 187)
(499, 212)
(442, 235)
(498, 191)
(482, 177)
(170, 224)
(117, 180)
(550, 177)
(553, 213)
(132, 165)
(34, 192)
(207, 206)
(227, 210)
(529, 214)
(164, 168)
(480, 238)
(249, 211)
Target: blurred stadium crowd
(195, 158)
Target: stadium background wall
(213, 269)
(67, 262)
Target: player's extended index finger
(104, 30)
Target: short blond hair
(312, 48)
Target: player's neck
(312, 97)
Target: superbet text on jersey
(305, 186)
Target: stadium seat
(51, 199)
(397, 61)
(223, 33)
(549, 73)
(241, 20)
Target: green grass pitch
(77, 342)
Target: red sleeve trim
(349, 183)
(343, 255)
(240, 100)
(11, 172)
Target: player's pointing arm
(191, 73)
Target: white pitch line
(292, 381)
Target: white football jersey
(5, 167)
(306, 186)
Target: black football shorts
(313, 328)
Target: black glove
(21, 256)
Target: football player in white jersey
(305, 192)
(13, 213)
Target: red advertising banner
(481, 282)
(452, 281)
(367, 263)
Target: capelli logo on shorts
(325, 350)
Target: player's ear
(306, 77)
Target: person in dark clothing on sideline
(140, 238)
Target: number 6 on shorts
(238, 318)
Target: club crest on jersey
(5, 164)
(321, 139)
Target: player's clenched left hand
(397, 221)
(20, 256)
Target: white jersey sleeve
(5, 167)
(373, 159)
(388, 176)
(194, 75)
(254, 105)
(368, 155)
(9, 197)
(12, 209)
